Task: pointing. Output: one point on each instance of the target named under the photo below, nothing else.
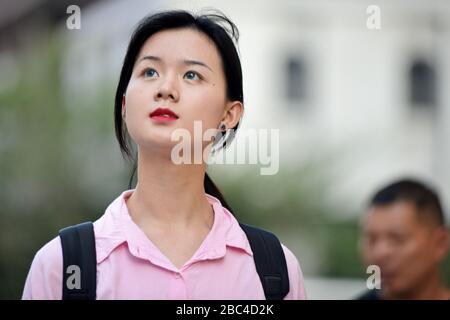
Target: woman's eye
(150, 73)
(191, 75)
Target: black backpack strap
(79, 262)
(269, 260)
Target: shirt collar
(116, 227)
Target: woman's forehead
(174, 45)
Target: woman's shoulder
(49, 258)
(290, 257)
(44, 279)
(45, 275)
(296, 282)
(50, 253)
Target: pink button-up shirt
(130, 266)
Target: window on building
(297, 79)
(422, 84)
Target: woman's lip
(163, 112)
(163, 118)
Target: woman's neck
(168, 194)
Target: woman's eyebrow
(195, 62)
(186, 61)
(150, 58)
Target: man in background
(404, 234)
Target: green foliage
(42, 187)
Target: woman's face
(180, 70)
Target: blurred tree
(42, 187)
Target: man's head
(405, 235)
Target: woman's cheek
(133, 125)
(138, 101)
(136, 118)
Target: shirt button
(177, 275)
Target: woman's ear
(233, 113)
(442, 238)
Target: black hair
(424, 198)
(217, 27)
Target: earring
(220, 133)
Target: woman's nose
(167, 90)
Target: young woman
(173, 236)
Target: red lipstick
(163, 115)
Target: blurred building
(372, 100)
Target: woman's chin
(158, 145)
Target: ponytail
(213, 190)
